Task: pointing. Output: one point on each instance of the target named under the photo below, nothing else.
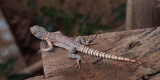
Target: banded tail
(90, 51)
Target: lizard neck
(47, 36)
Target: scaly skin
(79, 44)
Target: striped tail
(90, 51)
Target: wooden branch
(142, 45)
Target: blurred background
(19, 58)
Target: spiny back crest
(39, 32)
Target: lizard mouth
(32, 31)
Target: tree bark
(142, 14)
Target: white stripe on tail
(90, 51)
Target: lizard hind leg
(71, 54)
(81, 40)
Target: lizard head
(39, 32)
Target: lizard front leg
(49, 48)
(71, 54)
(81, 40)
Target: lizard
(79, 44)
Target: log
(142, 14)
(142, 45)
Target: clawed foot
(40, 51)
(78, 61)
(91, 38)
(91, 44)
